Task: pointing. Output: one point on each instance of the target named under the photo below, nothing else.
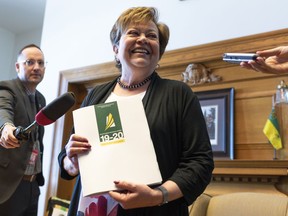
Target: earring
(118, 63)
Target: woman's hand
(76, 145)
(136, 195)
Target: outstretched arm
(272, 61)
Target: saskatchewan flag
(271, 130)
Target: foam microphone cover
(55, 109)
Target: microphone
(48, 114)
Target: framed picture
(218, 111)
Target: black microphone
(48, 114)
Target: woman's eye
(133, 33)
(153, 36)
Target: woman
(174, 116)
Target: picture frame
(218, 110)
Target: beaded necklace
(138, 85)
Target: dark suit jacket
(15, 107)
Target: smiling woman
(139, 40)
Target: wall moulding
(250, 175)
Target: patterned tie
(32, 102)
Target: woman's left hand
(135, 195)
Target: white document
(121, 146)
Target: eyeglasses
(32, 62)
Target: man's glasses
(32, 62)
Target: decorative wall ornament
(196, 74)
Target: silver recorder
(236, 58)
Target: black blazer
(15, 107)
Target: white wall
(76, 33)
(10, 44)
(7, 39)
(23, 39)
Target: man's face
(30, 66)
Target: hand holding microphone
(8, 140)
(48, 114)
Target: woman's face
(139, 46)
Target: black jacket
(180, 139)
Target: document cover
(121, 146)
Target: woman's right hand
(76, 145)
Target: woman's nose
(142, 38)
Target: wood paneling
(249, 175)
(253, 96)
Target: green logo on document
(109, 123)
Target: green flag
(271, 130)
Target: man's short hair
(28, 46)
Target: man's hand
(8, 140)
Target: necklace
(138, 85)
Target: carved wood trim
(252, 164)
(250, 168)
(269, 174)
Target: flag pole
(275, 155)
(273, 107)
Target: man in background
(21, 153)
